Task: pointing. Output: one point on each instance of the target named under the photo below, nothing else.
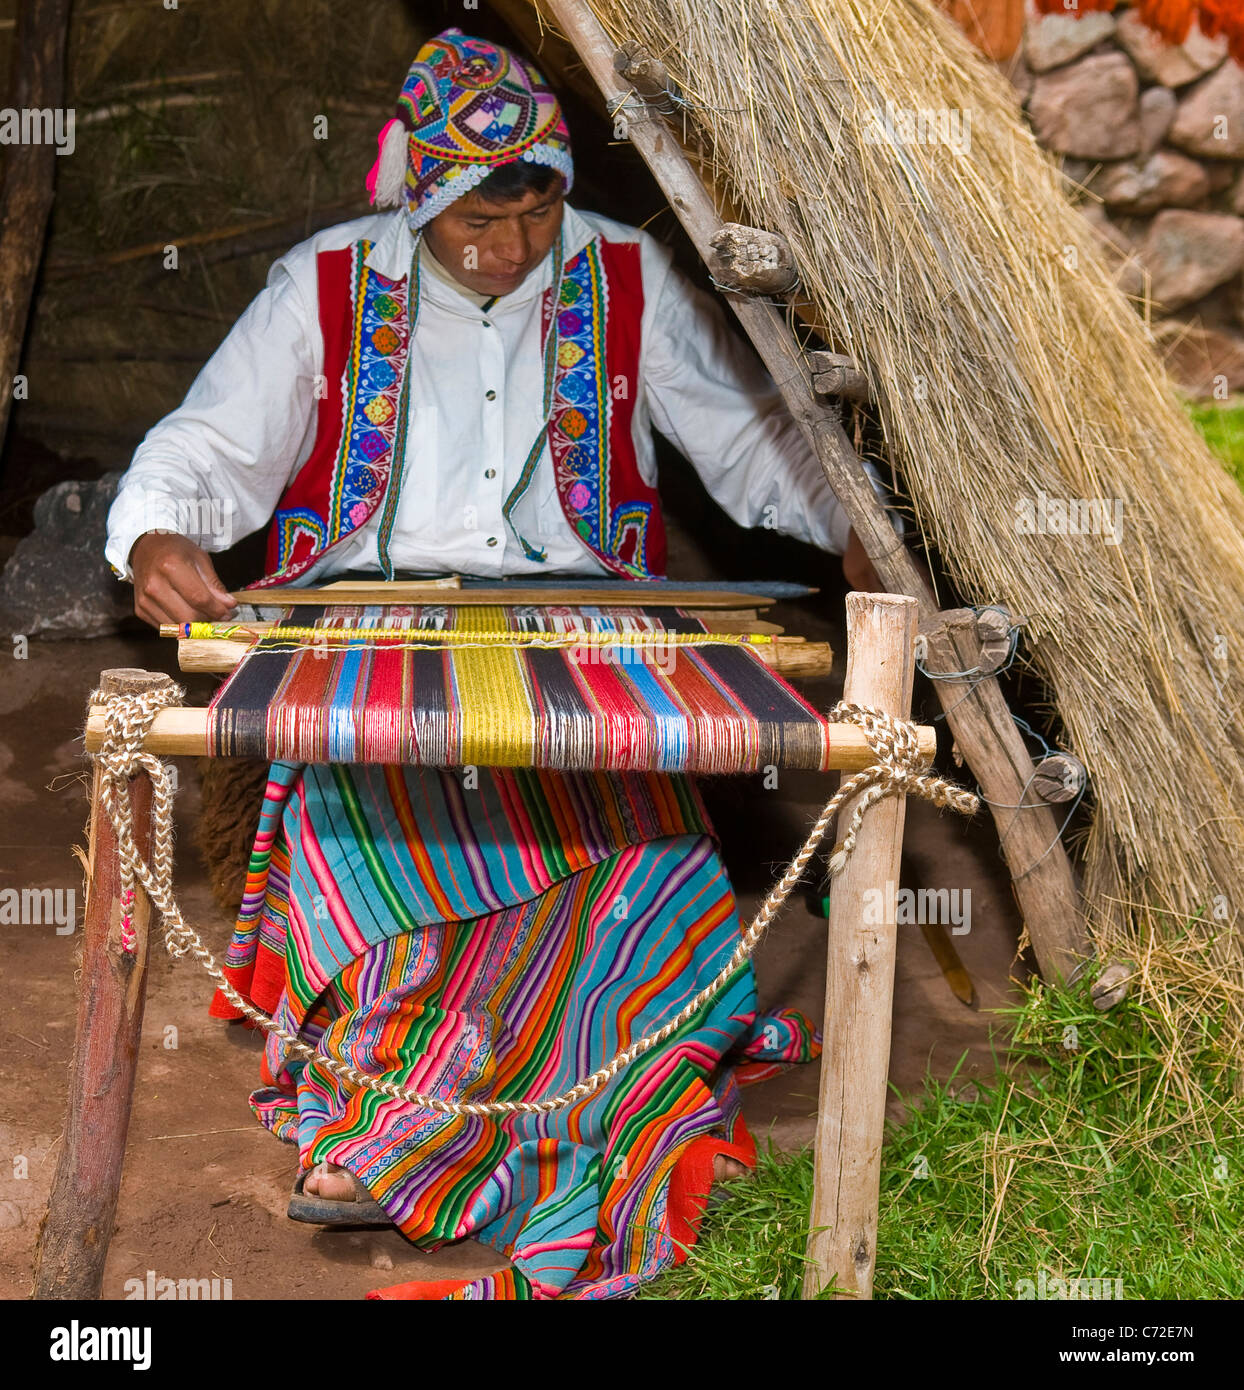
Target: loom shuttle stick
(352, 591)
(649, 595)
(183, 732)
(714, 620)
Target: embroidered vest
(364, 324)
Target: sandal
(328, 1211)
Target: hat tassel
(387, 178)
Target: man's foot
(327, 1195)
(334, 1184)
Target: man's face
(492, 247)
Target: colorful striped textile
(586, 1202)
(659, 707)
(347, 856)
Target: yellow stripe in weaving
(494, 704)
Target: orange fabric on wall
(994, 26)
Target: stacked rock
(1151, 140)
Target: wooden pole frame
(1041, 874)
(76, 1231)
(859, 976)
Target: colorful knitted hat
(466, 108)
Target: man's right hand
(175, 581)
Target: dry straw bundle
(1014, 383)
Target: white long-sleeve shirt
(216, 467)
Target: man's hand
(858, 568)
(175, 582)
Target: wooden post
(74, 1238)
(1043, 882)
(985, 733)
(37, 84)
(859, 978)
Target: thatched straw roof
(1008, 368)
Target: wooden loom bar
(73, 1241)
(859, 977)
(183, 731)
(790, 657)
(1041, 873)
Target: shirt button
(492, 540)
(490, 395)
(486, 324)
(490, 472)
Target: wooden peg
(836, 376)
(647, 74)
(751, 260)
(993, 627)
(1112, 985)
(1058, 778)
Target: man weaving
(465, 383)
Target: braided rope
(899, 770)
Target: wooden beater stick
(74, 1238)
(859, 979)
(791, 657)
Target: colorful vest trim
(364, 323)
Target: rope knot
(900, 769)
(128, 716)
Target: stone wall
(1156, 133)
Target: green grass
(1086, 1157)
(1222, 427)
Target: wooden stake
(836, 376)
(1043, 882)
(859, 981)
(948, 962)
(74, 1238)
(980, 719)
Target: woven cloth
(428, 847)
(667, 708)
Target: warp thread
(899, 770)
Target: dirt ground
(205, 1188)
